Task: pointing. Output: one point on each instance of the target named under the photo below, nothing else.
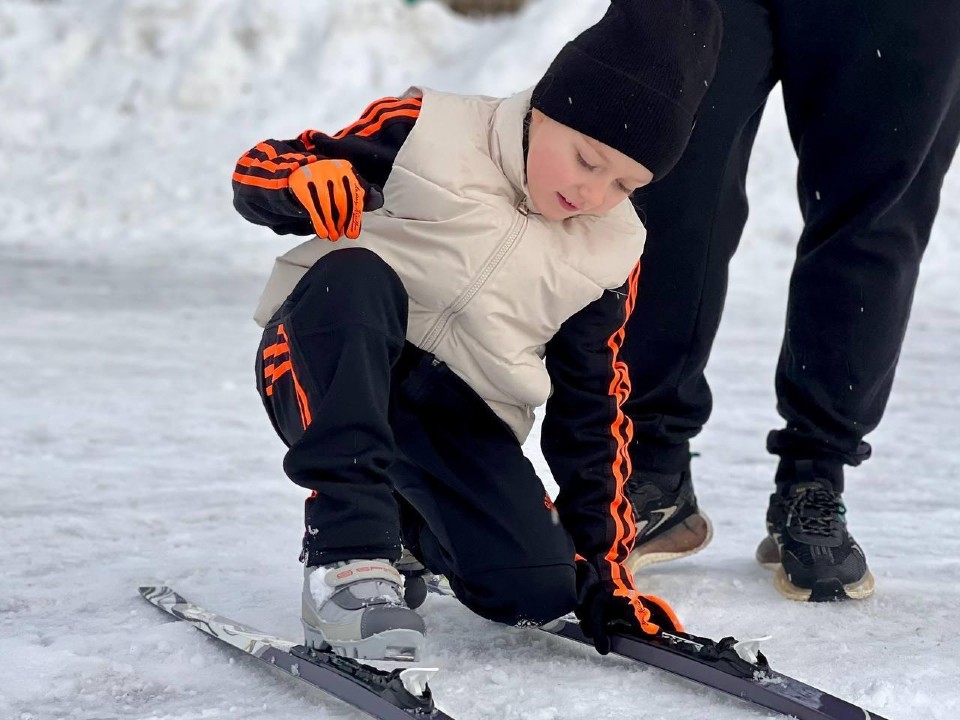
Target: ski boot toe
(356, 609)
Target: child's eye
(584, 163)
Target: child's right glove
(603, 613)
(335, 196)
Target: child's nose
(591, 194)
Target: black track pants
(366, 414)
(872, 95)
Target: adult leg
(871, 90)
(487, 524)
(694, 218)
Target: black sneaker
(669, 523)
(808, 544)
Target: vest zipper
(433, 338)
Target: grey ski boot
(356, 609)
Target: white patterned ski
(400, 694)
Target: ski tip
(159, 594)
(152, 590)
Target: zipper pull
(522, 207)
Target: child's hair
(635, 79)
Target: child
(490, 268)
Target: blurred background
(481, 7)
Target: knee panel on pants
(353, 285)
(520, 596)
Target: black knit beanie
(634, 80)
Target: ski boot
(356, 609)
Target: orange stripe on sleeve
(306, 137)
(271, 166)
(365, 116)
(302, 158)
(380, 106)
(267, 184)
(267, 150)
(372, 129)
(621, 430)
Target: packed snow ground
(134, 449)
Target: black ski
(719, 665)
(738, 669)
(396, 695)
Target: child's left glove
(603, 613)
(335, 196)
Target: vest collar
(507, 142)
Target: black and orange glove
(604, 613)
(335, 196)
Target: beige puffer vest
(489, 280)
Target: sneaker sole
(768, 555)
(686, 538)
(401, 645)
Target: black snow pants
(872, 96)
(374, 424)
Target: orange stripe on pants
(280, 367)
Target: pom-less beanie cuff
(635, 79)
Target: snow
(134, 449)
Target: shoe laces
(816, 511)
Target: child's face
(570, 174)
